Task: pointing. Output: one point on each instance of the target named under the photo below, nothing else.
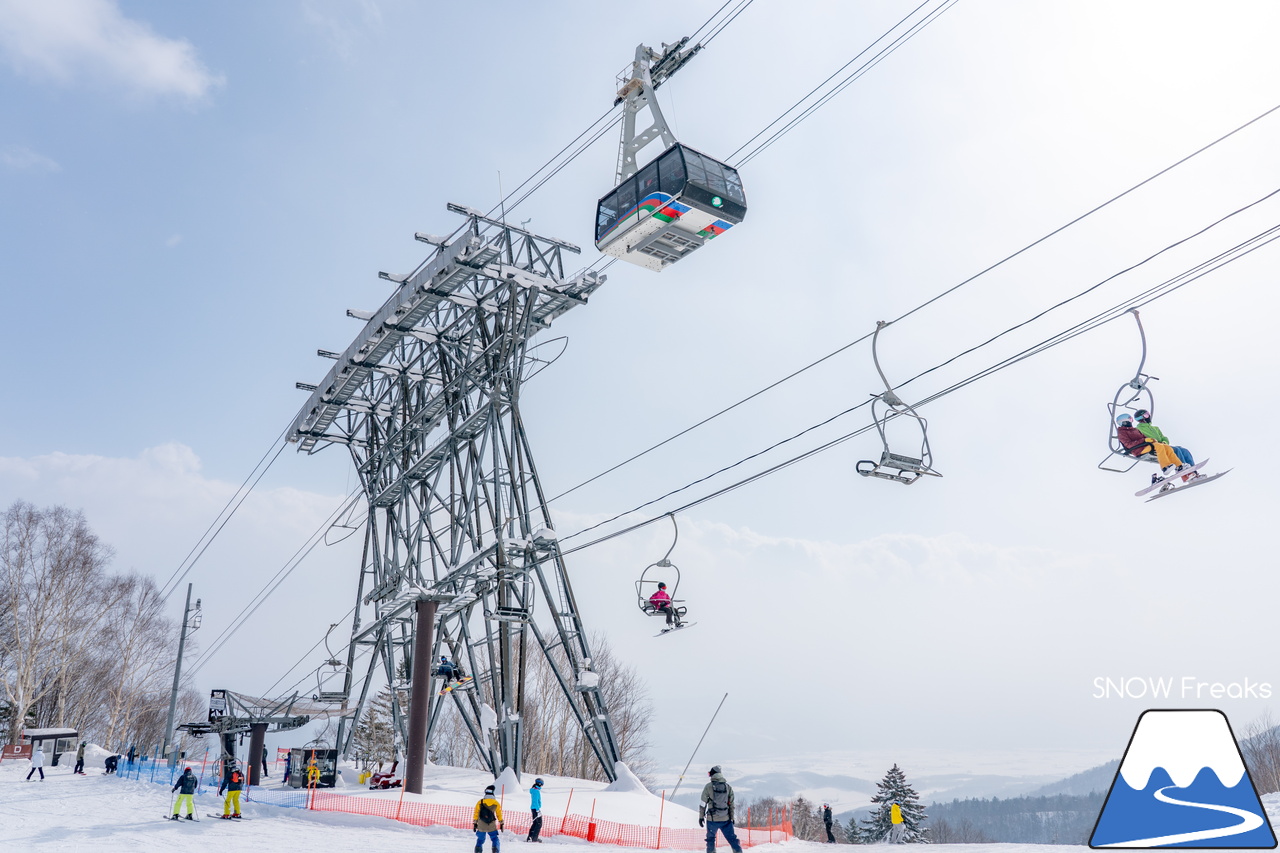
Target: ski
(1171, 479)
(220, 817)
(677, 628)
(1198, 481)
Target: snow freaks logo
(1182, 783)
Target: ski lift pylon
(647, 585)
(1136, 390)
(895, 466)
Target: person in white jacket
(37, 763)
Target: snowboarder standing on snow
(897, 829)
(233, 783)
(133, 753)
(535, 808)
(80, 760)
(1153, 432)
(661, 602)
(264, 762)
(826, 821)
(288, 763)
(487, 821)
(716, 811)
(110, 763)
(186, 787)
(37, 763)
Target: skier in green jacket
(1153, 432)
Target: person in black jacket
(826, 821)
(233, 784)
(185, 786)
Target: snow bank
(627, 782)
(507, 782)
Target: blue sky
(191, 196)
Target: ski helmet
(444, 657)
(488, 789)
(661, 585)
(537, 783)
(1123, 418)
(1143, 415)
(714, 770)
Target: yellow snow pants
(183, 798)
(1165, 455)
(232, 803)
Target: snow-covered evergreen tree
(852, 832)
(374, 737)
(893, 788)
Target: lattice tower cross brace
(427, 400)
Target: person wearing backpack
(716, 811)
(233, 784)
(487, 821)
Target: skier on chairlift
(1138, 444)
(1153, 432)
(661, 602)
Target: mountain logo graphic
(1182, 783)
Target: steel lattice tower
(427, 399)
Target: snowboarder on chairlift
(1138, 444)
(448, 670)
(661, 602)
(1153, 432)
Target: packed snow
(107, 814)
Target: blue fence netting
(150, 768)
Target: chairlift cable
(237, 498)
(916, 309)
(817, 88)
(863, 69)
(1098, 320)
(278, 578)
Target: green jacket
(710, 808)
(1153, 432)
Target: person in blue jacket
(535, 807)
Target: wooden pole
(661, 807)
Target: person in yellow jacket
(487, 821)
(313, 773)
(896, 827)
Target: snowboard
(1172, 478)
(1198, 481)
(679, 627)
(461, 684)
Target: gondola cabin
(668, 208)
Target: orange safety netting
(577, 826)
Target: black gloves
(701, 822)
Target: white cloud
(19, 157)
(173, 240)
(335, 23)
(71, 40)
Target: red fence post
(566, 811)
(661, 807)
